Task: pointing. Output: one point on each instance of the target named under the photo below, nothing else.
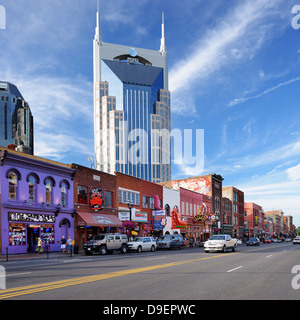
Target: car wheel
(233, 248)
(103, 250)
(87, 253)
(153, 248)
(123, 249)
(139, 249)
(224, 249)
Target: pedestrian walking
(63, 242)
(39, 247)
(191, 242)
(69, 244)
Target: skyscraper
(16, 120)
(131, 109)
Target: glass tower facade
(16, 120)
(131, 111)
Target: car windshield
(165, 239)
(252, 239)
(217, 238)
(138, 239)
(98, 237)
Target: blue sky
(234, 71)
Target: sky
(234, 71)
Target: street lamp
(130, 206)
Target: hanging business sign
(97, 199)
(159, 219)
(138, 216)
(201, 217)
(124, 215)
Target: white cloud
(274, 192)
(242, 33)
(242, 100)
(58, 146)
(294, 173)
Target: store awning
(98, 220)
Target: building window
(129, 197)
(148, 202)
(82, 195)
(63, 192)
(168, 210)
(108, 199)
(48, 185)
(32, 189)
(13, 185)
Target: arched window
(167, 209)
(32, 182)
(49, 186)
(63, 191)
(13, 185)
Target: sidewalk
(32, 255)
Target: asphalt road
(250, 273)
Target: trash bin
(76, 249)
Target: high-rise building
(132, 109)
(16, 120)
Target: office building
(131, 109)
(16, 120)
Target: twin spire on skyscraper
(98, 30)
(163, 47)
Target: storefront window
(47, 234)
(17, 234)
(13, 183)
(32, 189)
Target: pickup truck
(220, 242)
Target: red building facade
(254, 219)
(191, 204)
(95, 201)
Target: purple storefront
(36, 201)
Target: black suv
(170, 241)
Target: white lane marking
(235, 269)
(269, 256)
(155, 258)
(15, 274)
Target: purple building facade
(36, 201)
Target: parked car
(253, 242)
(267, 240)
(170, 241)
(238, 241)
(220, 242)
(106, 243)
(140, 244)
(296, 240)
(288, 240)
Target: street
(258, 273)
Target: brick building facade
(95, 203)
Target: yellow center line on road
(14, 292)
(20, 291)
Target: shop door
(33, 234)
